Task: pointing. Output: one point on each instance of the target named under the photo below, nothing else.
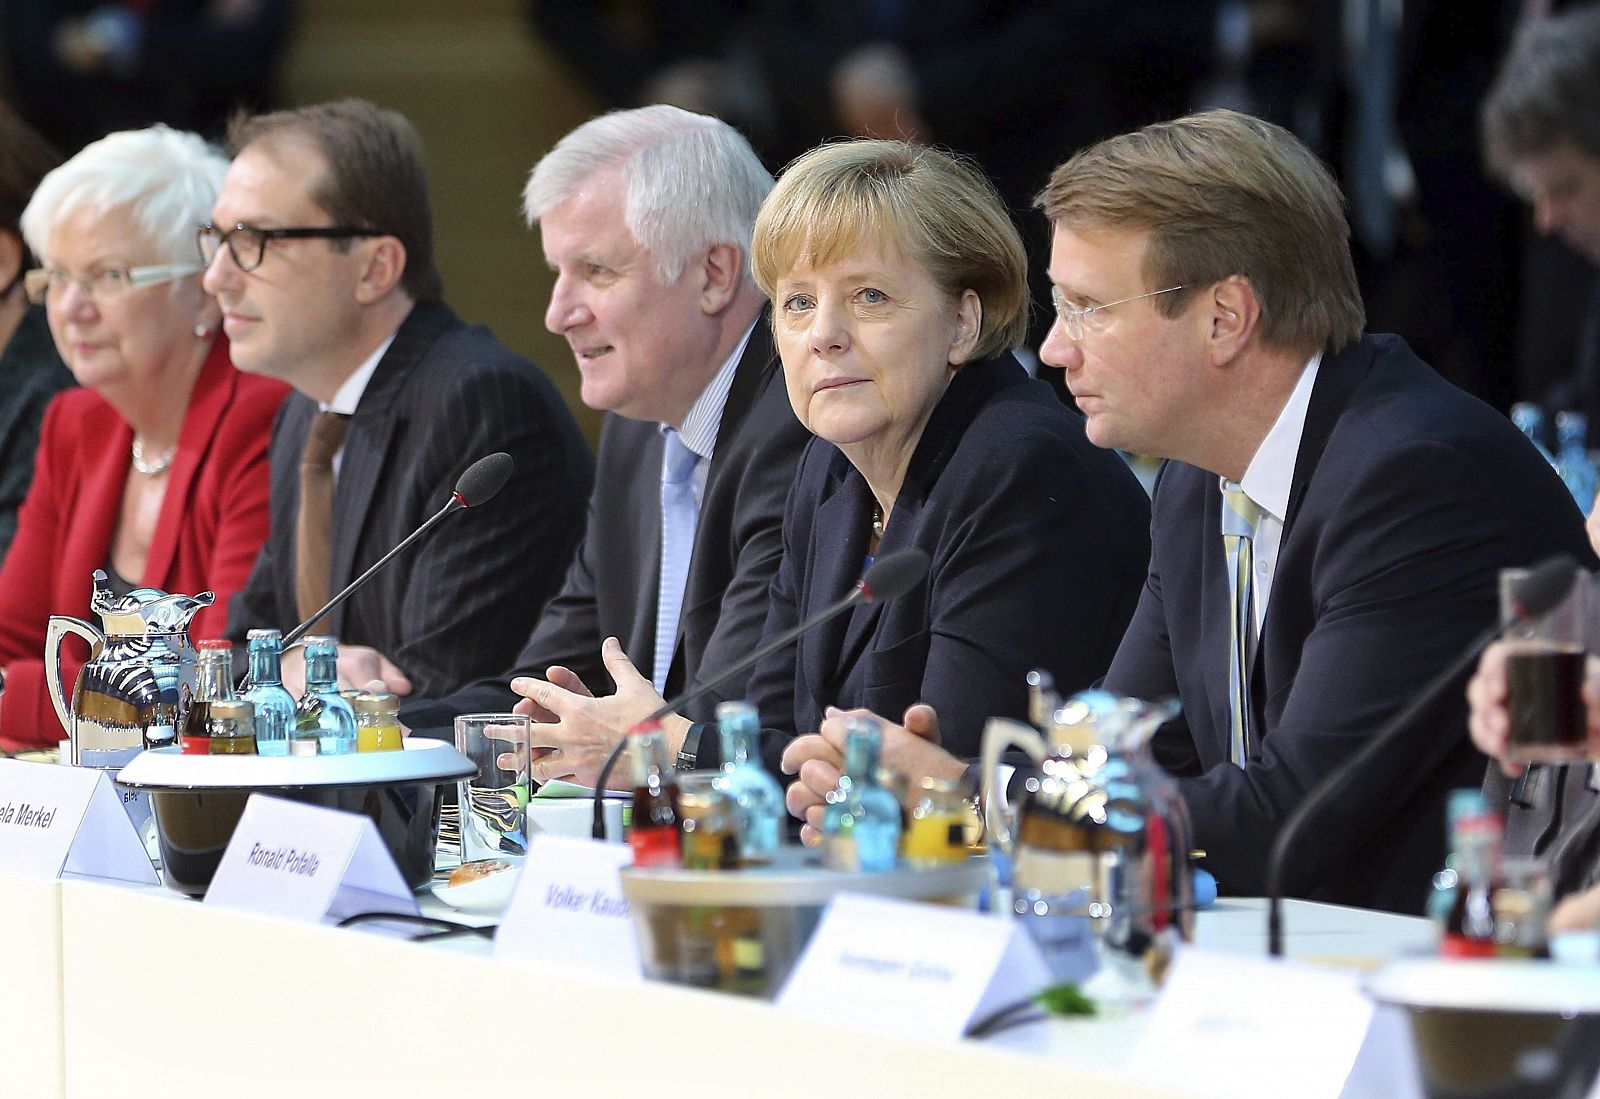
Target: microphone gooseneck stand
(479, 484)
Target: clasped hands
(574, 732)
(816, 761)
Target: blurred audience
(678, 52)
(1541, 135)
(82, 68)
(31, 371)
(156, 470)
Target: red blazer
(213, 521)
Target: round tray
(422, 760)
(795, 879)
(1493, 985)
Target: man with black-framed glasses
(320, 253)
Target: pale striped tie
(1239, 517)
(678, 516)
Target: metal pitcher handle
(999, 734)
(60, 627)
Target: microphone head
(893, 575)
(484, 479)
(1545, 585)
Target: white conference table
(136, 991)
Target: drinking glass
(494, 802)
(1545, 664)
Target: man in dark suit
(320, 252)
(653, 293)
(1379, 501)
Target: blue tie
(1239, 518)
(678, 516)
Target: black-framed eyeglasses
(248, 245)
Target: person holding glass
(156, 469)
(898, 284)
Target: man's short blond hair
(928, 205)
(1221, 194)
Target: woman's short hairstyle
(166, 179)
(1547, 93)
(689, 181)
(25, 158)
(1220, 194)
(932, 207)
(374, 178)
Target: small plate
(486, 895)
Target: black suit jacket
(454, 606)
(1407, 498)
(611, 587)
(1038, 540)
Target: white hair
(690, 181)
(167, 179)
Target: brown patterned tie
(313, 541)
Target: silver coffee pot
(139, 678)
(1101, 835)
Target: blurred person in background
(31, 371)
(155, 470)
(82, 68)
(1541, 136)
(677, 52)
(320, 253)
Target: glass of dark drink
(1545, 667)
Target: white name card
(307, 863)
(1268, 1027)
(67, 820)
(569, 908)
(916, 969)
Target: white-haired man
(645, 217)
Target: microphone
(480, 483)
(1545, 585)
(889, 577)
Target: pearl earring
(202, 331)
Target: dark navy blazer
(1408, 497)
(1039, 543)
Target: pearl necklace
(152, 468)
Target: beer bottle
(213, 682)
(1469, 922)
(654, 835)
